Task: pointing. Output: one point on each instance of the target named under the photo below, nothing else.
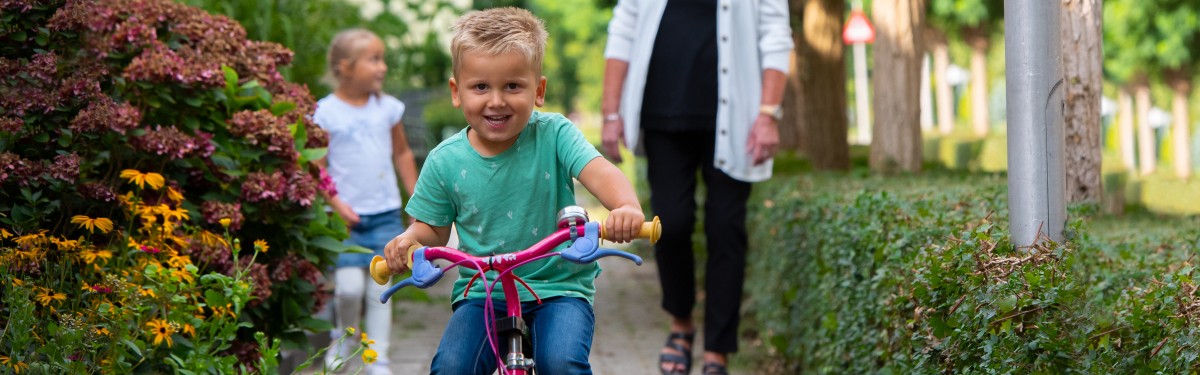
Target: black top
(681, 84)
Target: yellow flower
(147, 292)
(189, 330)
(367, 341)
(261, 246)
(90, 255)
(4, 234)
(183, 274)
(178, 213)
(350, 330)
(65, 245)
(46, 297)
(155, 180)
(18, 282)
(17, 366)
(174, 195)
(32, 239)
(178, 261)
(105, 225)
(225, 222)
(101, 331)
(369, 356)
(161, 330)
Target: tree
(974, 21)
(1082, 71)
(1128, 61)
(822, 80)
(943, 94)
(1177, 36)
(896, 137)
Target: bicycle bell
(572, 215)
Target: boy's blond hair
(499, 30)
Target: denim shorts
(372, 232)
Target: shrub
(916, 275)
(94, 88)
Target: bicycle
(585, 248)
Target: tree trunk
(1181, 137)
(1125, 132)
(896, 137)
(980, 119)
(943, 93)
(824, 85)
(793, 130)
(1147, 145)
(1082, 70)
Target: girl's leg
(378, 319)
(725, 269)
(348, 300)
(464, 349)
(561, 332)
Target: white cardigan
(753, 35)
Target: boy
(502, 181)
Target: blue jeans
(372, 232)
(560, 330)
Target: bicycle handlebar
(585, 248)
(651, 230)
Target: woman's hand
(764, 139)
(611, 136)
(624, 223)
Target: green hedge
(916, 275)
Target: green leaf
(231, 78)
(310, 154)
(280, 108)
(132, 346)
(316, 325)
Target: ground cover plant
(916, 275)
(156, 195)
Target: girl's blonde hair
(346, 45)
(497, 31)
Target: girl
(367, 150)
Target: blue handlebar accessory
(424, 275)
(587, 249)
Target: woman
(696, 85)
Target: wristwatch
(612, 117)
(775, 111)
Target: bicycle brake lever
(424, 275)
(586, 249)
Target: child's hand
(396, 253)
(624, 223)
(345, 212)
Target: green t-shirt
(508, 202)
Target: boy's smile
(497, 94)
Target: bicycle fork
(512, 328)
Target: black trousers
(674, 158)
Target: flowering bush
(98, 93)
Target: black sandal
(713, 368)
(674, 360)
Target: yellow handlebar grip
(379, 267)
(650, 230)
(379, 270)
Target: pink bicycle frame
(584, 249)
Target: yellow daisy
(4, 234)
(369, 356)
(45, 297)
(161, 330)
(174, 195)
(138, 178)
(90, 255)
(225, 222)
(105, 225)
(189, 330)
(261, 246)
(367, 341)
(101, 331)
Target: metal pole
(1036, 178)
(862, 101)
